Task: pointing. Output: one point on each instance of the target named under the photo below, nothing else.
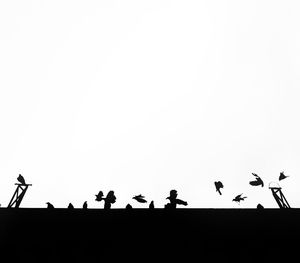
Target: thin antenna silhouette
(19, 192)
(279, 196)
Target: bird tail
(218, 190)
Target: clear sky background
(148, 96)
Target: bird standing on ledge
(85, 205)
(21, 179)
(49, 205)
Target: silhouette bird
(109, 199)
(259, 206)
(140, 198)
(21, 179)
(49, 205)
(128, 206)
(174, 201)
(218, 186)
(239, 198)
(151, 206)
(70, 206)
(85, 205)
(258, 181)
(282, 176)
(99, 196)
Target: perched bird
(70, 206)
(239, 198)
(85, 205)
(21, 179)
(128, 206)
(218, 186)
(259, 206)
(258, 181)
(282, 176)
(140, 198)
(49, 205)
(151, 206)
(99, 196)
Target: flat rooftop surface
(95, 235)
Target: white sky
(149, 96)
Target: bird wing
(255, 175)
(282, 176)
(218, 185)
(254, 183)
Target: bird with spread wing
(239, 198)
(282, 176)
(140, 198)
(257, 181)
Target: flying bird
(218, 186)
(239, 198)
(258, 181)
(85, 205)
(99, 196)
(21, 179)
(49, 205)
(282, 176)
(151, 206)
(70, 206)
(140, 198)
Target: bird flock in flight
(174, 201)
(257, 182)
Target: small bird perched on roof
(21, 179)
(85, 205)
(140, 198)
(259, 206)
(282, 176)
(99, 196)
(70, 206)
(49, 205)
(218, 186)
(239, 198)
(151, 206)
(258, 181)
